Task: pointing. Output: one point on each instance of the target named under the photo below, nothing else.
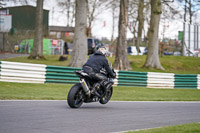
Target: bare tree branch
(68, 8)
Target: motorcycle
(82, 92)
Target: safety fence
(22, 72)
(58, 74)
(38, 73)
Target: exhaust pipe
(85, 87)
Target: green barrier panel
(131, 78)
(59, 70)
(132, 75)
(131, 81)
(58, 77)
(61, 81)
(60, 74)
(182, 78)
(62, 67)
(186, 87)
(133, 72)
(131, 84)
(185, 81)
(185, 75)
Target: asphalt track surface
(57, 117)
(11, 55)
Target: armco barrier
(130, 78)
(37, 73)
(22, 72)
(58, 74)
(186, 81)
(198, 81)
(160, 80)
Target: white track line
(136, 130)
(148, 128)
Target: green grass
(50, 60)
(185, 128)
(150, 94)
(60, 91)
(172, 64)
(10, 90)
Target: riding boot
(107, 85)
(103, 84)
(94, 90)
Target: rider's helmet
(103, 50)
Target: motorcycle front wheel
(75, 96)
(107, 96)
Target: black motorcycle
(83, 92)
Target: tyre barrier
(38, 73)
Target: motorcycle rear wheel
(75, 96)
(107, 96)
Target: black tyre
(107, 96)
(75, 96)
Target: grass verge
(10, 90)
(185, 128)
(49, 60)
(172, 64)
(30, 91)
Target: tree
(132, 27)
(37, 52)
(140, 19)
(114, 16)
(69, 9)
(92, 8)
(191, 7)
(133, 19)
(121, 59)
(138, 15)
(152, 60)
(171, 11)
(80, 49)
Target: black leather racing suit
(94, 64)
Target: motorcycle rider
(95, 64)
